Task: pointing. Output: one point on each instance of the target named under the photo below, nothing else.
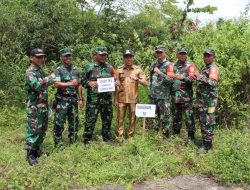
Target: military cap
(182, 50)
(209, 51)
(160, 48)
(65, 51)
(36, 52)
(128, 52)
(101, 50)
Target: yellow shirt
(128, 89)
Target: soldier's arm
(38, 84)
(80, 96)
(73, 82)
(206, 80)
(85, 80)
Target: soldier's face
(128, 60)
(182, 57)
(160, 55)
(208, 58)
(66, 59)
(37, 60)
(101, 58)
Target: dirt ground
(196, 182)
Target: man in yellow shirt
(128, 77)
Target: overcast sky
(226, 9)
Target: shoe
(31, 158)
(40, 153)
(208, 145)
(177, 131)
(166, 134)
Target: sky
(226, 9)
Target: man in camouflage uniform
(97, 102)
(36, 85)
(183, 94)
(128, 77)
(207, 96)
(161, 78)
(66, 103)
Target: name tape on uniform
(106, 84)
(145, 110)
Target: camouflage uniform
(36, 85)
(159, 94)
(207, 96)
(183, 95)
(97, 102)
(66, 103)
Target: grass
(135, 161)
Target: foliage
(135, 161)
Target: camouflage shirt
(160, 84)
(182, 89)
(92, 72)
(207, 86)
(66, 74)
(36, 84)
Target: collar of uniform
(34, 67)
(66, 66)
(164, 60)
(128, 68)
(208, 66)
(99, 64)
(178, 63)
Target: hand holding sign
(106, 84)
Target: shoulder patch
(170, 71)
(191, 69)
(214, 73)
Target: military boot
(190, 138)
(31, 158)
(208, 145)
(165, 134)
(177, 131)
(38, 153)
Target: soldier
(161, 78)
(183, 94)
(128, 76)
(68, 92)
(97, 102)
(207, 96)
(36, 85)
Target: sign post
(106, 84)
(145, 110)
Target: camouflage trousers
(37, 124)
(66, 108)
(92, 111)
(163, 119)
(207, 122)
(187, 108)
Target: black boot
(31, 158)
(177, 131)
(166, 134)
(191, 135)
(208, 145)
(39, 153)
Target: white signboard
(145, 110)
(106, 84)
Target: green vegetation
(54, 24)
(136, 160)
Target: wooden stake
(143, 126)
